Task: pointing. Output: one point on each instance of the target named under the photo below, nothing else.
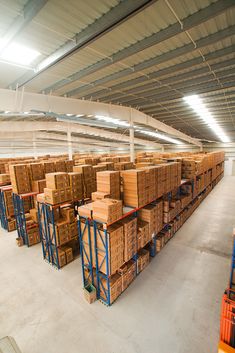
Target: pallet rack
(46, 216)
(3, 214)
(91, 267)
(19, 209)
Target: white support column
(163, 148)
(201, 148)
(70, 147)
(132, 144)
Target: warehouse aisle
(173, 306)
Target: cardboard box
(134, 187)
(57, 180)
(115, 283)
(38, 185)
(98, 195)
(20, 178)
(5, 179)
(34, 214)
(68, 253)
(52, 196)
(127, 273)
(90, 293)
(61, 257)
(67, 213)
(107, 210)
(143, 260)
(130, 236)
(86, 210)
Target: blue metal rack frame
(103, 292)
(47, 233)
(3, 215)
(19, 210)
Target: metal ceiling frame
(20, 101)
(30, 10)
(191, 21)
(161, 73)
(113, 18)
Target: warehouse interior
(117, 134)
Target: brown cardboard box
(38, 185)
(34, 214)
(109, 182)
(67, 214)
(128, 273)
(36, 171)
(20, 178)
(11, 225)
(107, 210)
(62, 235)
(98, 195)
(61, 257)
(5, 179)
(86, 210)
(143, 260)
(68, 253)
(52, 196)
(115, 282)
(57, 180)
(41, 198)
(49, 167)
(130, 236)
(90, 293)
(134, 187)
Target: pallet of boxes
(58, 223)
(23, 200)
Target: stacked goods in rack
(57, 189)
(107, 210)
(130, 237)
(7, 194)
(58, 226)
(107, 165)
(76, 185)
(123, 166)
(108, 182)
(7, 209)
(171, 210)
(88, 178)
(5, 179)
(32, 230)
(134, 187)
(20, 179)
(153, 215)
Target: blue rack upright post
(3, 213)
(84, 232)
(19, 210)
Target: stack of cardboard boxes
(88, 178)
(57, 188)
(107, 210)
(20, 180)
(108, 182)
(134, 188)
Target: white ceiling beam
(20, 101)
(26, 126)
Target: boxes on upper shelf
(20, 178)
(134, 185)
(109, 182)
(57, 180)
(130, 236)
(107, 210)
(5, 179)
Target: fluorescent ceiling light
(160, 136)
(19, 54)
(112, 120)
(199, 107)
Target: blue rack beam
(3, 215)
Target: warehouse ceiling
(145, 54)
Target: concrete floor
(172, 307)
